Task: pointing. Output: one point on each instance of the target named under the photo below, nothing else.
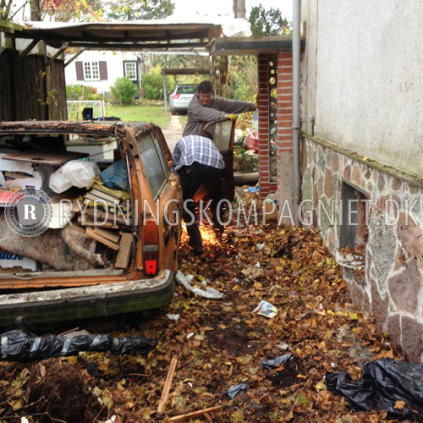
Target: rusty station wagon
(113, 233)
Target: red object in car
(251, 141)
(176, 95)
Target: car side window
(222, 133)
(154, 161)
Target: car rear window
(185, 90)
(154, 162)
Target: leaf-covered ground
(219, 343)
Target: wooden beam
(10, 25)
(53, 58)
(187, 71)
(57, 37)
(25, 52)
(133, 46)
(74, 57)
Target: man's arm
(232, 106)
(198, 113)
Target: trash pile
(90, 225)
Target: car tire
(172, 112)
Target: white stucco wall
(362, 77)
(114, 68)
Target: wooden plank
(76, 228)
(108, 234)
(167, 385)
(89, 222)
(193, 414)
(54, 158)
(90, 233)
(101, 215)
(124, 253)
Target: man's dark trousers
(191, 178)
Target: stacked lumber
(110, 230)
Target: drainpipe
(296, 17)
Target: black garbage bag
(383, 383)
(16, 345)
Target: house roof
(131, 35)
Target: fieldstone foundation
(392, 285)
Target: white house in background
(100, 69)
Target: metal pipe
(296, 18)
(164, 91)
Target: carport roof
(133, 35)
(250, 46)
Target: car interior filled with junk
(110, 211)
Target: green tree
(266, 22)
(242, 76)
(124, 90)
(128, 10)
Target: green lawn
(140, 113)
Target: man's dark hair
(205, 87)
(205, 134)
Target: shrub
(124, 90)
(152, 84)
(81, 92)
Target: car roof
(103, 127)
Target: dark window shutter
(103, 70)
(79, 71)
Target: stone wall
(392, 286)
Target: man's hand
(257, 101)
(231, 117)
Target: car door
(163, 197)
(223, 136)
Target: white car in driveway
(180, 98)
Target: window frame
(90, 63)
(131, 62)
(161, 158)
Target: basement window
(353, 236)
(353, 227)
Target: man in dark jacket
(204, 108)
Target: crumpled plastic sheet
(207, 293)
(278, 361)
(16, 345)
(115, 177)
(235, 390)
(383, 382)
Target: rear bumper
(87, 302)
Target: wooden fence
(30, 90)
